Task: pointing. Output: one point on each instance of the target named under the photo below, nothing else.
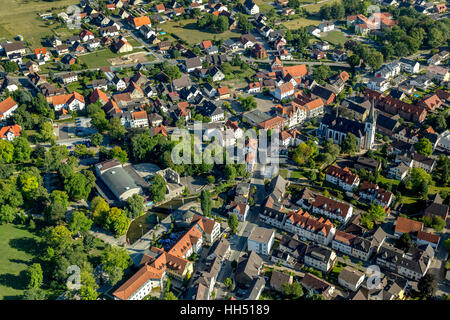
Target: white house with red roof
(342, 177)
(10, 132)
(86, 35)
(73, 101)
(7, 108)
(239, 209)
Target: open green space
(335, 37)
(21, 17)
(315, 7)
(187, 30)
(17, 249)
(301, 22)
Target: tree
(47, 133)
(350, 144)
(80, 150)
(292, 291)
(222, 24)
(7, 214)
(374, 59)
(79, 222)
(116, 130)
(438, 223)
(35, 276)
(228, 283)
(6, 151)
(244, 24)
(247, 103)
(305, 152)
(233, 223)
(117, 221)
(417, 177)
(10, 66)
(135, 206)
(205, 202)
(97, 139)
(354, 60)
(322, 72)
(119, 154)
(88, 290)
(78, 185)
(423, 146)
(34, 294)
(22, 149)
(404, 242)
(169, 296)
(210, 179)
(114, 262)
(60, 197)
(58, 238)
(100, 209)
(56, 213)
(333, 149)
(157, 188)
(427, 285)
(230, 172)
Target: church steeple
(371, 117)
(370, 127)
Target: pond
(146, 222)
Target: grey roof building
(121, 184)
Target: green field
(100, 58)
(315, 7)
(300, 22)
(263, 5)
(17, 247)
(335, 37)
(187, 30)
(20, 17)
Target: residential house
(261, 240)
(316, 285)
(10, 132)
(342, 177)
(320, 257)
(351, 278)
(7, 108)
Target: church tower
(370, 126)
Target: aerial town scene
(224, 150)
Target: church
(336, 128)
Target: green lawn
(20, 17)
(16, 250)
(297, 175)
(384, 180)
(283, 172)
(335, 37)
(187, 30)
(300, 22)
(100, 58)
(315, 7)
(263, 5)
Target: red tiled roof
(6, 104)
(223, 91)
(429, 237)
(405, 225)
(139, 115)
(344, 175)
(15, 129)
(98, 94)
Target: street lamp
(142, 230)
